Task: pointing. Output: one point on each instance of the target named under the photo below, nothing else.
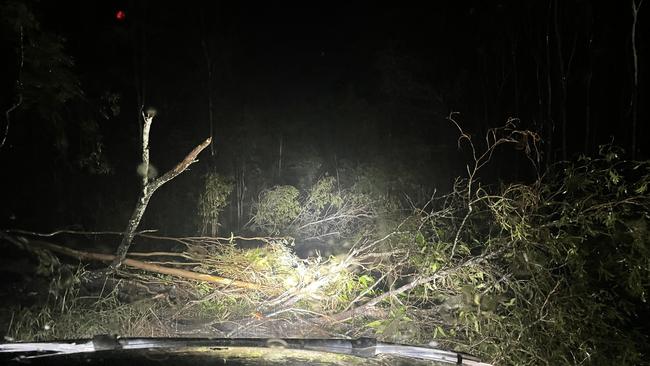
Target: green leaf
(419, 239)
(366, 280)
(439, 331)
(614, 176)
(434, 266)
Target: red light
(120, 15)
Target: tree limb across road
(83, 255)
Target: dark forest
(473, 176)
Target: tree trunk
(515, 80)
(280, 160)
(590, 73)
(208, 62)
(550, 128)
(134, 221)
(240, 193)
(563, 87)
(634, 101)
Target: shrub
(212, 201)
(554, 272)
(277, 208)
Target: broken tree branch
(82, 255)
(363, 309)
(149, 187)
(180, 167)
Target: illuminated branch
(82, 255)
(524, 140)
(363, 309)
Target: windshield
(442, 176)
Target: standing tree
(634, 101)
(212, 201)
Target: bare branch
(180, 167)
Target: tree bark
(209, 66)
(587, 146)
(634, 101)
(563, 81)
(549, 96)
(132, 226)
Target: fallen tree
(133, 263)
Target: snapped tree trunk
(149, 186)
(132, 226)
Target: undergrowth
(556, 271)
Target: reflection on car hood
(110, 349)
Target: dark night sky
(284, 50)
(347, 79)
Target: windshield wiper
(361, 347)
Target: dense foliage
(213, 199)
(553, 269)
(552, 272)
(555, 272)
